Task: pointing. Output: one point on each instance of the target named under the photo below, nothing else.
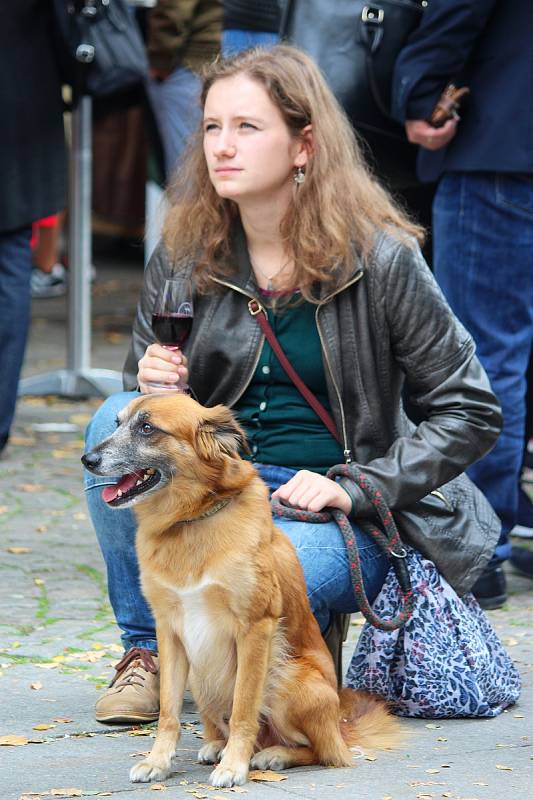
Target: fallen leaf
(13, 741)
(4, 509)
(370, 758)
(37, 685)
(43, 726)
(19, 551)
(424, 796)
(66, 792)
(441, 739)
(38, 581)
(479, 783)
(41, 528)
(158, 787)
(433, 726)
(63, 719)
(266, 775)
(432, 771)
(504, 767)
(80, 515)
(518, 716)
(30, 487)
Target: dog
(229, 600)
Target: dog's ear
(220, 434)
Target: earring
(299, 176)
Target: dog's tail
(366, 721)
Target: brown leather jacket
(389, 323)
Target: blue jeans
(320, 548)
(483, 241)
(176, 106)
(234, 40)
(15, 304)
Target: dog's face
(160, 439)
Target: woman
(275, 203)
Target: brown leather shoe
(133, 694)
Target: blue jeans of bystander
(320, 548)
(483, 240)
(15, 302)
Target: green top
(281, 427)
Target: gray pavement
(58, 640)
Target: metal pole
(78, 380)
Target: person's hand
(161, 365)
(313, 492)
(421, 132)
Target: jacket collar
(243, 278)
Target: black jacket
(390, 321)
(487, 46)
(32, 142)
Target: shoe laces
(132, 668)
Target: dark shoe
(490, 589)
(522, 561)
(524, 521)
(133, 694)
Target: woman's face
(250, 152)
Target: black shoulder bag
(355, 43)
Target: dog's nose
(91, 461)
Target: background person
(33, 170)
(482, 212)
(275, 203)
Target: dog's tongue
(124, 485)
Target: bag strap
(388, 538)
(256, 310)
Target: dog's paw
(270, 758)
(226, 776)
(211, 753)
(147, 770)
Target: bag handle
(388, 539)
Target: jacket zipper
(262, 339)
(443, 498)
(348, 456)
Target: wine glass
(172, 317)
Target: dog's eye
(146, 428)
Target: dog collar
(210, 511)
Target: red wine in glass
(172, 318)
(172, 329)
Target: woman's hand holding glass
(162, 367)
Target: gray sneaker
(49, 284)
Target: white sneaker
(49, 284)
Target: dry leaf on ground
(266, 775)
(66, 792)
(13, 741)
(43, 726)
(19, 551)
(504, 767)
(36, 685)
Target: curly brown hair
(336, 212)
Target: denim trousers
(15, 304)
(320, 548)
(175, 103)
(235, 40)
(483, 244)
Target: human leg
(15, 302)
(483, 236)
(115, 530)
(133, 695)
